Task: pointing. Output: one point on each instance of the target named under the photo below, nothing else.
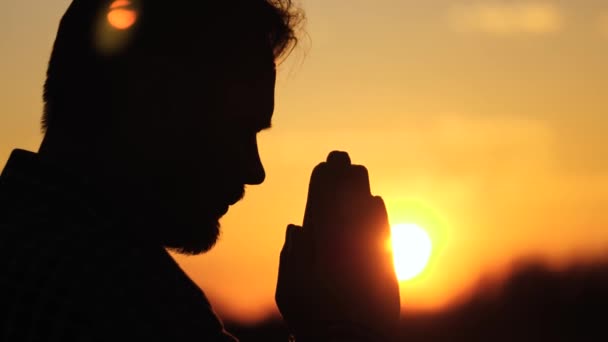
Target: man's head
(168, 98)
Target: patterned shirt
(69, 271)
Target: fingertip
(379, 201)
(381, 213)
(291, 230)
(319, 182)
(290, 236)
(318, 170)
(361, 179)
(339, 158)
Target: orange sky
(483, 121)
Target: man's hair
(90, 55)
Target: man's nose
(255, 173)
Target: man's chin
(192, 239)
(188, 227)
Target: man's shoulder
(104, 255)
(69, 265)
(97, 279)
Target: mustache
(236, 195)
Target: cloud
(501, 18)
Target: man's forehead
(244, 62)
(248, 45)
(247, 95)
(251, 100)
(251, 61)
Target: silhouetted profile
(151, 115)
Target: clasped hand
(336, 276)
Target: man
(151, 115)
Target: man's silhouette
(151, 115)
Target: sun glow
(412, 248)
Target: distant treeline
(535, 303)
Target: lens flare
(120, 3)
(412, 248)
(122, 16)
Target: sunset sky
(484, 122)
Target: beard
(193, 227)
(192, 239)
(177, 206)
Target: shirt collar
(28, 177)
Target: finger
(354, 196)
(289, 270)
(338, 158)
(290, 233)
(379, 235)
(358, 178)
(295, 253)
(379, 216)
(315, 199)
(334, 182)
(322, 196)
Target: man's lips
(223, 211)
(232, 199)
(236, 196)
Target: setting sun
(411, 249)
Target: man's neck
(78, 156)
(92, 165)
